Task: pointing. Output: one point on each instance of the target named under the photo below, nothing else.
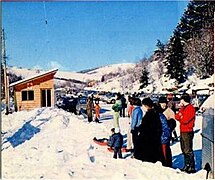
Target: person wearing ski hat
(186, 118)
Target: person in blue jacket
(136, 119)
(116, 142)
(165, 138)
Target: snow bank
(63, 149)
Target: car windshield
(82, 101)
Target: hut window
(27, 95)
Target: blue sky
(83, 35)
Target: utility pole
(6, 84)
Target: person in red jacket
(186, 118)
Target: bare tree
(200, 54)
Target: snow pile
(63, 149)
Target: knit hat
(117, 130)
(137, 102)
(118, 96)
(186, 97)
(162, 99)
(148, 102)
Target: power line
(46, 26)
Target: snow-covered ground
(63, 149)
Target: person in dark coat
(116, 142)
(150, 131)
(73, 105)
(124, 106)
(90, 108)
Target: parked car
(155, 97)
(110, 98)
(202, 98)
(67, 103)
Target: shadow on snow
(178, 160)
(103, 110)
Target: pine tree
(198, 16)
(144, 79)
(160, 51)
(159, 56)
(175, 58)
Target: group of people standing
(93, 108)
(151, 126)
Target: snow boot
(189, 164)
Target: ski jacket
(90, 108)
(130, 110)
(123, 100)
(137, 116)
(186, 117)
(97, 110)
(117, 106)
(116, 140)
(166, 132)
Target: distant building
(91, 83)
(35, 92)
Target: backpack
(171, 123)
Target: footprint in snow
(90, 152)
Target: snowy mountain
(123, 78)
(89, 75)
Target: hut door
(46, 98)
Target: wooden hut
(35, 92)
